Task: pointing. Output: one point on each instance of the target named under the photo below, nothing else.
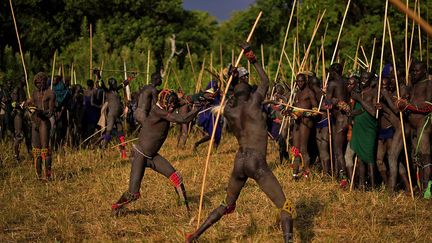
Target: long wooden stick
(419, 35)
(365, 57)
(336, 48)
(20, 49)
(411, 41)
(191, 62)
(285, 39)
(356, 55)
(328, 111)
(406, 45)
(400, 112)
(217, 121)
(91, 51)
(53, 68)
(372, 55)
(382, 57)
(352, 176)
(306, 55)
(404, 8)
(221, 66)
(148, 67)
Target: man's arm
(175, 117)
(263, 86)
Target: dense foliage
(126, 30)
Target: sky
(221, 9)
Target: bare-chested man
(21, 126)
(304, 98)
(394, 149)
(336, 99)
(153, 134)
(42, 103)
(420, 108)
(321, 125)
(365, 127)
(248, 122)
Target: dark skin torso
(247, 119)
(421, 92)
(155, 128)
(44, 100)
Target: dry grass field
(76, 205)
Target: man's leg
(135, 178)
(162, 166)
(18, 134)
(272, 188)
(323, 146)
(381, 151)
(36, 150)
(44, 131)
(235, 185)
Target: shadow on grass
(194, 199)
(307, 209)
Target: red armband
(424, 108)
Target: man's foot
(49, 175)
(343, 184)
(190, 237)
(123, 154)
(306, 174)
(295, 176)
(117, 209)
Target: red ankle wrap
(176, 179)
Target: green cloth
(364, 133)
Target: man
(115, 109)
(148, 97)
(153, 134)
(365, 127)
(419, 108)
(336, 100)
(42, 104)
(248, 123)
(304, 98)
(60, 124)
(321, 126)
(91, 112)
(21, 129)
(207, 119)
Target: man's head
(112, 84)
(243, 75)
(90, 83)
(365, 79)
(57, 79)
(279, 89)
(336, 68)
(314, 81)
(242, 91)
(419, 72)
(40, 80)
(156, 79)
(168, 100)
(351, 83)
(301, 81)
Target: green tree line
(127, 30)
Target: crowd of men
(340, 129)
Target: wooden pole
(71, 74)
(62, 68)
(148, 67)
(411, 41)
(20, 49)
(423, 24)
(285, 39)
(221, 67)
(352, 176)
(262, 56)
(328, 111)
(406, 45)
(372, 55)
(419, 35)
(198, 84)
(91, 51)
(53, 68)
(400, 112)
(336, 47)
(306, 55)
(356, 55)
(382, 57)
(217, 121)
(365, 57)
